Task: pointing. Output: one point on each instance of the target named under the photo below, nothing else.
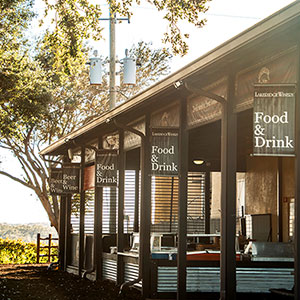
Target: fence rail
(50, 246)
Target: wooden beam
(207, 202)
(182, 205)
(145, 211)
(136, 201)
(200, 92)
(62, 230)
(279, 201)
(67, 233)
(297, 190)
(98, 216)
(120, 232)
(82, 213)
(228, 197)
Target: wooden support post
(182, 205)
(145, 211)
(279, 201)
(98, 245)
(136, 202)
(67, 233)
(38, 245)
(228, 197)
(120, 235)
(49, 247)
(82, 213)
(297, 190)
(62, 231)
(207, 202)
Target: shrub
(19, 252)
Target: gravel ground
(33, 282)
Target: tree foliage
(77, 20)
(19, 252)
(45, 97)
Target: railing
(49, 247)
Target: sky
(225, 19)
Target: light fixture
(198, 161)
(70, 154)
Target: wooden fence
(49, 247)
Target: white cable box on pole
(129, 72)
(96, 71)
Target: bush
(19, 252)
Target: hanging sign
(55, 181)
(164, 152)
(274, 120)
(106, 168)
(89, 178)
(70, 178)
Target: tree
(45, 97)
(73, 103)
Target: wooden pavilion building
(192, 185)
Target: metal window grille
(75, 212)
(89, 211)
(129, 204)
(110, 205)
(164, 216)
(110, 208)
(196, 203)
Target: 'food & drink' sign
(106, 168)
(274, 120)
(164, 152)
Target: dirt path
(30, 282)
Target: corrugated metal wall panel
(131, 272)
(203, 279)
(259, 280)
(207, 279)
(109, 269)
(166, 279)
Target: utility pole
(96, 70)
(112, 59)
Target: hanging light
(198, 161)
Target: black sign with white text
(164, 152)
(70, 179)
(274, 120)
(56, 181)
(106, 168)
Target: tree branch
(17, 180)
